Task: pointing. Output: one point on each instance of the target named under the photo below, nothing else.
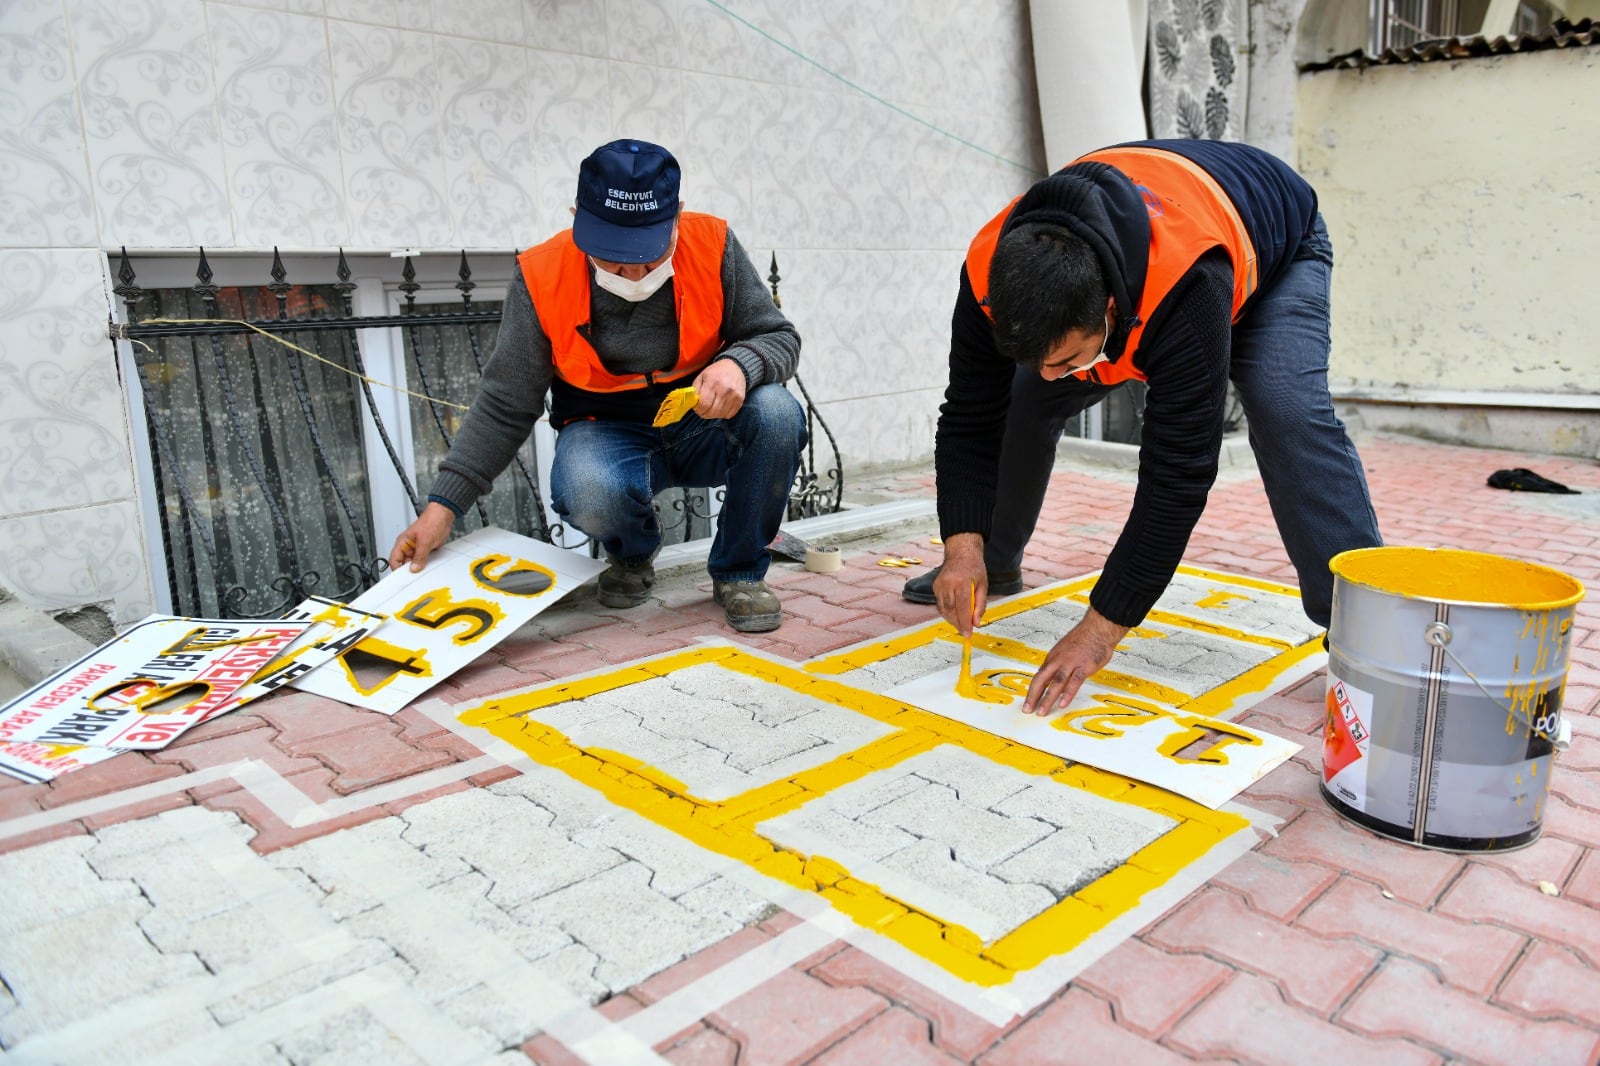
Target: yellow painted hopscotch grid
(1215, 702)
(728, 827)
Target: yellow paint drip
(1453, 576)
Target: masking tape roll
(823, 560)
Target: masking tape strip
(823, 560)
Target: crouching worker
(636, 300)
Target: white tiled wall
(374, 125)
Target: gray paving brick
(90, 960)
(634, 931)
(898, 669)
(53, 881)
(509, 838)
(973, 842)
(1263, 613)
(717, 731)
(361, 867)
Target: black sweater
(1183, 354)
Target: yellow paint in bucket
(1456, 576)
(1445, 676)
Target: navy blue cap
(627, 202)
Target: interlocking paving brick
(1151, 988)
(967, 840)
(719, 732)
(1411, 873)
(634, 931)
(1081, 1026)
(1484, 894)
(705, 1047)
(370, 755)
(792, 1016)
(1275, 886)
(1551, 982)
(59, 883)
(955, 1029)
(1316, 971)
(1469, 955)
(896, 1036)
(1584, 885)
(1404, 999)
(1249, 1021)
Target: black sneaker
(750, 606)
(1001, 583)
(626, 586)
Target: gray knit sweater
(631, 338)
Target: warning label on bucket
(1345, 738)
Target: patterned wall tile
(884, 430)
(63, 434)
(387, 100)
(784, 125)
(570, 120)
(644, 31)
(150, 122)
(371, 12)
(872, 323)
(63, 559)
(44, 174)
(647, 103)
(279, 130)
(577, 26)
(715, 156)
(486, 115)
(484, 20)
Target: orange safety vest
(1189, 215)
(557, 275)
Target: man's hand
(961, 572)
(1076, 656)
(721, 387)
(422, 537)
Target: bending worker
(635, 300)
(1183, 264)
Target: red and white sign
(141, 690)
(1346, 737)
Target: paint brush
(965, 685)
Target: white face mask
(634, 291)
(1102, 357)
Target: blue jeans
(1279, 365)
(606, 474)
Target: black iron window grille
(263, 424)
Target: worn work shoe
(749, 605)
(626, 586)
(1001, 583)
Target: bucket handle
(1438, 634)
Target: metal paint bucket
(1445, 676)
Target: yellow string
(287, 344)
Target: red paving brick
(1488, 895)
(1278, 887)
(954, 1028)
(1410, 873)
(792, 1017)
(1470, 955)
(1316, 971)
(1551, 982)
(1150, 989)
(1249, 1021)
(1077, 1027)
(705, 1047)
(370, 756)
(1404, 999)
(1584, 884)
(896, 1036)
